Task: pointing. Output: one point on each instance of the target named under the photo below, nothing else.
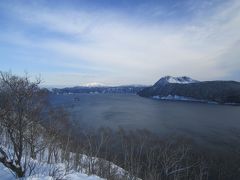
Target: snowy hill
(187, 89)
(44, 169)
(178, 80)
(62, 169)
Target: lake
(209, 124)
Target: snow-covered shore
(182, 98)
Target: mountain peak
(178, 80)
(94, 84)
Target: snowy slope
(80, 176)
(179, 80)
(5, 174)
(43, 171)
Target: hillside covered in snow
(187, 89)
(34, 142)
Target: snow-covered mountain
(179, 80)
(94, 84)
(185, 88)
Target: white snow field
(44, 169)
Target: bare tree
(20, 115)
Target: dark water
(214, 125)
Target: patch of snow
(93, 84)
(39, 178)
(180, 80)
(73, 176)
(80, 176)
(44, 169)
(5, 173)
(182, 98)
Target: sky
(117, 42)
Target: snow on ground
(80, 176)
(73, 176)
(42, 170)
(5, 174)
(42, 174)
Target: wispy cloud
(113, 47)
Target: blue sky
(74, 42)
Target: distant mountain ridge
(128, 89)
(185, 88)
